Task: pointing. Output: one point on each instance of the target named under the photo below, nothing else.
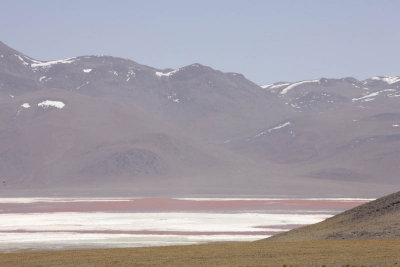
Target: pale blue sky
(267, 41)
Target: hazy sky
(267, 41)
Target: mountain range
(101, 125)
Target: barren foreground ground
(302, 253)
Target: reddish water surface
(184, 205)
(46, 225)
(146, 232)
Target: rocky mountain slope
(379, 219)
(100, 124)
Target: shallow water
(64, 223)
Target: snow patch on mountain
(368, 100)
(25, 105)
(273, 129)
(386, 79)
(260, 134)
(129, 75)
(51, 103)
(279, 126)
(274, 85)
(87, 70)
(46, 64)
(44, 79)
(369, 97)
(173, 98)
(293, 85)
(167, 74)
(279, 85)
(22, 60)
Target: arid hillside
(379, 219)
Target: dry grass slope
(379, 219)
(308, 253)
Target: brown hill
(379, 219)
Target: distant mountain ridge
(130, 127)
